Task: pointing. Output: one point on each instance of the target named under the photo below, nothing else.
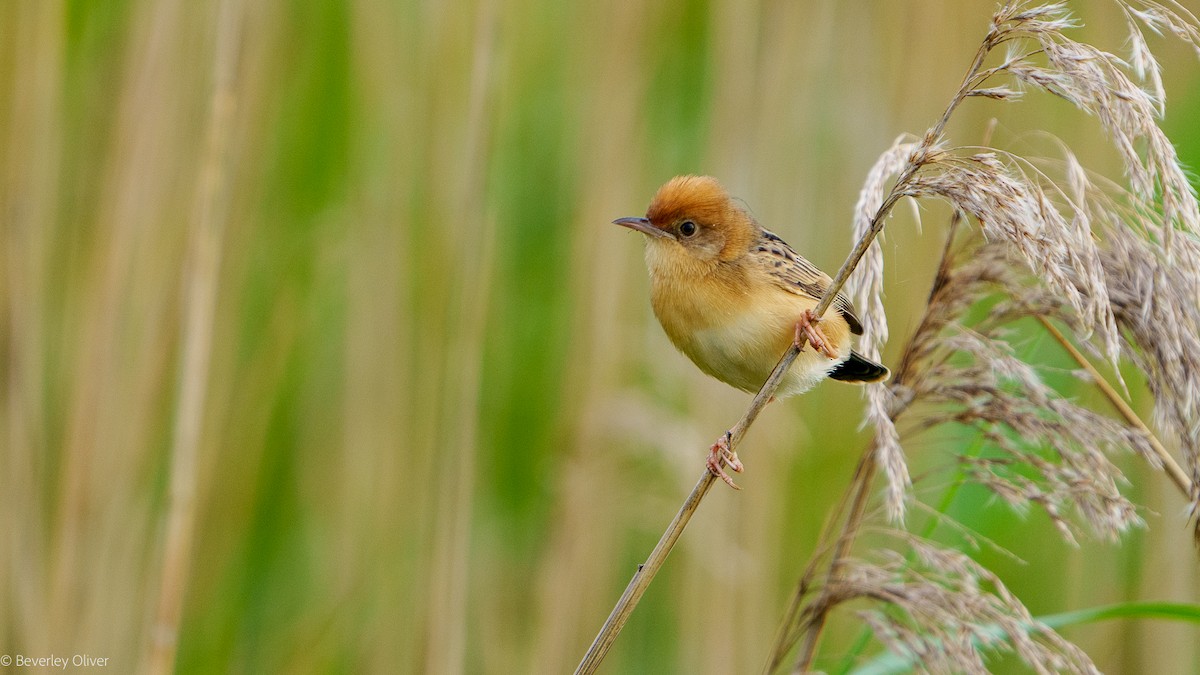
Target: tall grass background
(316, 335)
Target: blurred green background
(434, 423)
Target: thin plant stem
(1176, 473)
(863, 476)
(787, 634)
(865, 473)
(943, 505)
(856, 495)
(201, 284)
(450, 581)
(939, 282)
(642, 578)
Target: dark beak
(642, 225)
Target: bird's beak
(642, 225)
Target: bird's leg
(807, 325)
(721, 451)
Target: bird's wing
(793, 273)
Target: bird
(733, 297)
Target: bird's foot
(807, 325)
(719, 453)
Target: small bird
(734, 297)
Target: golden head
(694, 216)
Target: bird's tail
(858, 369)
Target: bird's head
(694, 217)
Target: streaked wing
(793, 273)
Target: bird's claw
(719, 453)
(807, 325)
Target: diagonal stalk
(1172, 468)
(808, 622)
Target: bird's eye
(687, 228)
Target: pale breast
(744, 345)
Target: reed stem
(1175, 472)
(201, 276)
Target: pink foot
(807, 325)
(720, 453)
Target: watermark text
(54, 661)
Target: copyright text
(52, 661)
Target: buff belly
(743, 351)
(735, 325)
